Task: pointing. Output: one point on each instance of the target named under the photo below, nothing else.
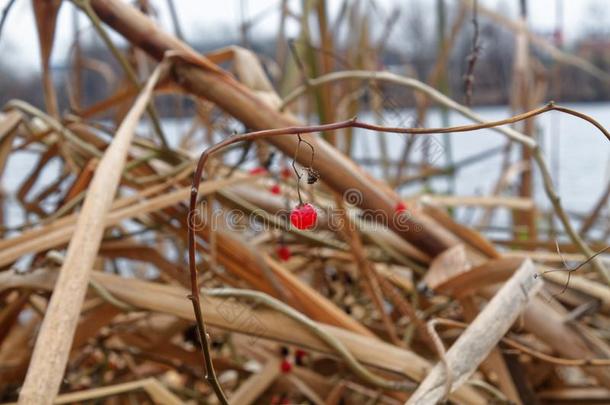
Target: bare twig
(472, 58)
(5, 12)
(516, 136)
(569, 269)
(197, 176)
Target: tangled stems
(330, 340)
(354, 123)
(294, 167)
(513, 343)
(85, 6)
(522, 139)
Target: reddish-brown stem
(298, 130)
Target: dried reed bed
(386, 300)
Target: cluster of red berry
(299, 357)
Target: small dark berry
(312, 176)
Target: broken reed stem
(442, 354)
(365, 268)
(334, 343)
(54, 340)
(101, 291)
(522, 139)
(559, 361)
(483, 334)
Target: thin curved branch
(353, 123)
(5, 12)
(439, 98)
(516, 136)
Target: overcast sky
(18, 43)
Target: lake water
(582, 153)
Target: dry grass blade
(481, 336)
(46, 19)
(261, 323)
(250, 390)
(57, 331)
(157, 392)
(8, 124)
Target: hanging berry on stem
(304, 215)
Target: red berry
(400, 207)
(286, 366)
(287, 172)
(299, 356)
(257, 170)
(283, 252)
(303, 216)
(275, 189)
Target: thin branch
(298, 130)
(516, 136)
(5, 12)
(474, 55)
(569, 269)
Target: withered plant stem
(85, 6)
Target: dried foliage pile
(309, 280)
